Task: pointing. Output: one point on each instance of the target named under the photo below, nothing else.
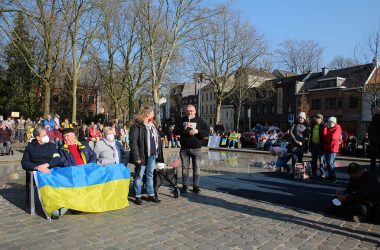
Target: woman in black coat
(299, 135)
(145, 148)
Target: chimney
(325, 71)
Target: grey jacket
(105, 153)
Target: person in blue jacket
(49, 122)
(40, 155)
(74, 152)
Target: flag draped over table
(86, 188)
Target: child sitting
(283, 157)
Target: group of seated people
(42, 155)
(228, 139)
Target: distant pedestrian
(193, 131)
(316, 144)
(5, 139)
(21, 129)
(299, 135)
(374, 138)
(331, 134)
(48, 123)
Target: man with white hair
(331, 134)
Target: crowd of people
(55, 144)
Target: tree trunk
(117, 109)
(238, 116)
(218, 107)
(47, 98)
(131, 107)
(74, 96)
(156, 105)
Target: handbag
(303, 170)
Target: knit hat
(332, 119)
(319, 116)
(302, 114)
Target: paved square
(209, 220)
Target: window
(330, 103)
(202, 97)
(272, 108)
(257, 109)
(55, 98)
(202, 109)
(264, 109)
(353, 103)
(226, 114)
(289, 107)
(316, 104)
(206, 109)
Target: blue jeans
(330, 164)
(148, 171)
(232, 143)
(195, 154)
(317, 154)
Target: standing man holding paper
(193, 130)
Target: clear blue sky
(338, 25)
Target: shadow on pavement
(256, 211)
(16, 195)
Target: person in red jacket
(331, 134)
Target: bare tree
(165, 25)
(82, 26)
(300, 57)
(223, 44)
(45, 17)
(105, 51)
(340, 62)
(304, 105)
(367, 53)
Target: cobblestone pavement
(209, 220)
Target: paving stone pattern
(209, 220)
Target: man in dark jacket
(361, 198)
(5, 138)
(193, 131)
(316, 144)
(374, 138)
(40, 155)
(74, 152)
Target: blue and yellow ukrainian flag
(87, 188)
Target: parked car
(248, 139)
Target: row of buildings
(345, 93)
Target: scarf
(152, 138)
